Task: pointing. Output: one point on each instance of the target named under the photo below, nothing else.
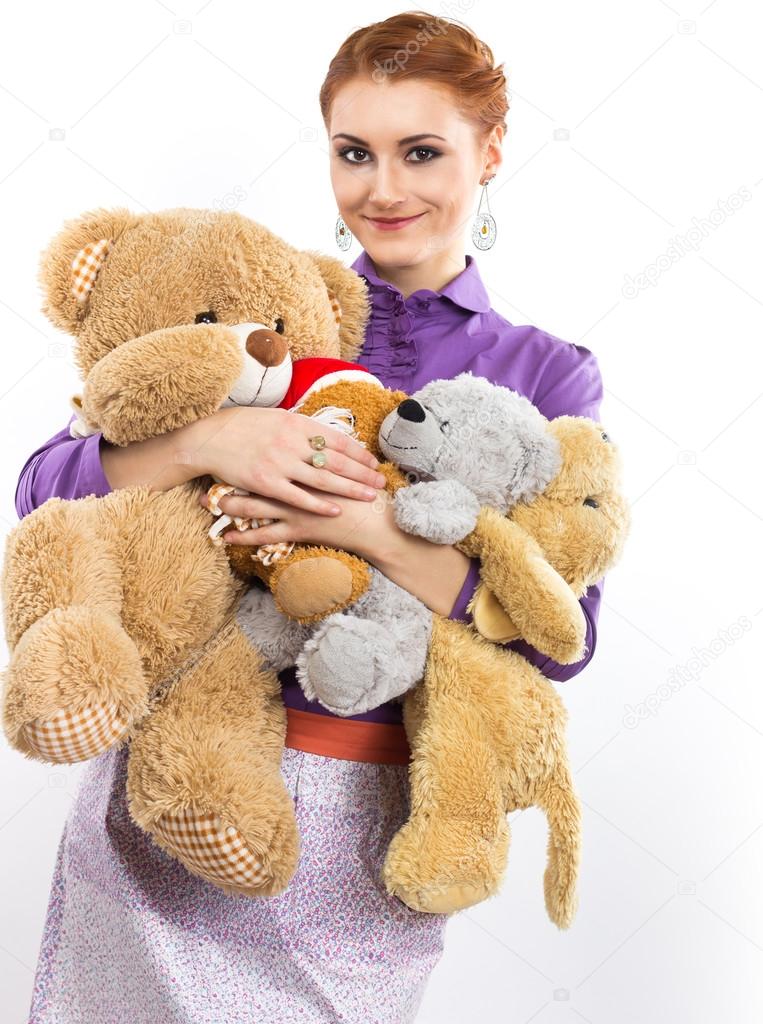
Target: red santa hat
(310, 375)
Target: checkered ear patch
(85, 267)
(336, 307)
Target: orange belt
(379, 742)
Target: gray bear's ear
(349, 297)
(69, 267)
(535, 450)
(540, 464)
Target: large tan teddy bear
(119, 613)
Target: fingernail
(369, 492)
(374, 462)
(334, 510)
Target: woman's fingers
(273, 533)
(328, 478)
(339, 442)
(250, 507)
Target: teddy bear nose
(411, 410)
(268, 347)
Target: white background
(632, 124)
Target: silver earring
(342, 234)
(484, 229)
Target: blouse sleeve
(62, 467)
(571, 386)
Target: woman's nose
(268, 347)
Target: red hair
(415, 44)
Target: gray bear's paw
(278, 638)
(441, 511)
(349, 665)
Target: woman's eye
(345, 155)
(208, 317)
(592, 502)
(279, 326)
(432, 153)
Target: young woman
(415, 113)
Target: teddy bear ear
(70, 265)
(349, 299)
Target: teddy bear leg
(453, 850)
(204, 774)
(75, 682)
(314, 582)
(356, 661)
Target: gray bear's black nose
(411, 410)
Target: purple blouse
(408, 342)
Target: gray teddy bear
(465, 443)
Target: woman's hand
(267, 452)
(366, 528)
(432, 572)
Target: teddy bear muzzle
(411, 437)
(266, 372)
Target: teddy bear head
(558, 479)
(177, 313)
(489, 438)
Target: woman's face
(379, 171)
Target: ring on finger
(317, 442)
(319, 460)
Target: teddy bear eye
(208, 317)
(605, 437)
(279, 325)
(592, 502)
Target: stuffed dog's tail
(562, 806)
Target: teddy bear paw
(70, 736)
(74, 687)
(216, 852)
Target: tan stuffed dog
(119, 612)
(487, 728)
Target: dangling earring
(484, 230)
(342, 234)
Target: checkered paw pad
(216, 851)
(71, 736)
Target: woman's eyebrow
(400, 142)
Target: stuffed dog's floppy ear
(347, 290)
(70, 265)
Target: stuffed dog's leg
(487, 734)
(452, 851)
(75, 682)
(204, 771)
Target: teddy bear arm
(441, 511)
(161, 381)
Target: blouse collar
(465, 290)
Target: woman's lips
(393, 225)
